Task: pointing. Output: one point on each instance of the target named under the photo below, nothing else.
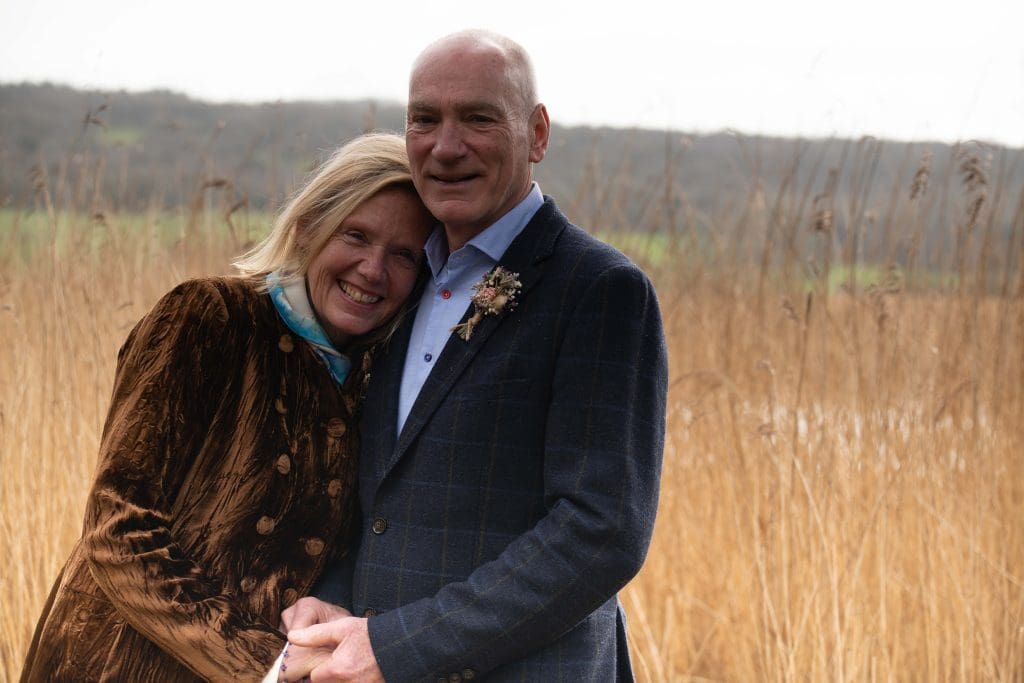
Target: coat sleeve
(160, 407)
(603, 447)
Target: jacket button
(314, 547)
(468, 674)
(336, 427)
(265, 525)
(369, 612)
(284, 464)
(285, 343)
(380, 525)
(334, 488)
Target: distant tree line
(161, 150)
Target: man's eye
(421, 120)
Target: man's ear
(540, 128)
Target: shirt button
(427, 357)
(446, 294)
(468, 674)
(455, 677)
(380, 525)
(369, 612)
(314, 547)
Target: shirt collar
(495, 239)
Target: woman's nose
(373, 264)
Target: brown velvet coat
(225, 481)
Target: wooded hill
(161, 150)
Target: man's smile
(452, 180)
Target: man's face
(471, 138)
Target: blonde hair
(355, 172)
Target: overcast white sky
(905, 69)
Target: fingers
(300, 661)
(308, 611)
(352, 659)
(328, 635)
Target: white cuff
(275, 671)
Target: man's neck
(457, 238)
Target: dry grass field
(843, 491)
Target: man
(509, 474)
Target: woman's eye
(406, 257)
(354, 237)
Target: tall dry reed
(843, 482)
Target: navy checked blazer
(521, 494)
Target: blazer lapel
(524, 256)
(380, 411)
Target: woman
(228, 461)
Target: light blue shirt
(448, 293)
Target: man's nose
(449, 143)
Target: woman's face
(368, 267)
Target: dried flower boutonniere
(496, 292)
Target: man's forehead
(462, 48)
(490, 103)
(460, 63)
(463, 89)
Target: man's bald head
(517, 64)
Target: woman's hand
(299, 661)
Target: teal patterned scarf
(292, 304)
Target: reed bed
(843, 482)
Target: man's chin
(453, 212)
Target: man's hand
(305, 612)
(352, 661)
(308, 611)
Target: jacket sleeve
(157, 422)
(603, 447)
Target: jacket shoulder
(584, 255)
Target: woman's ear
(303, 238)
